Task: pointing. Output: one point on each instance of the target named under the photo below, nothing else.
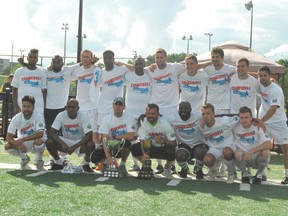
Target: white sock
(17, 153)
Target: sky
(125, 26)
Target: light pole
(21, 51)
(65, 28)
(249, 7)
(188, 39)
(209, 35)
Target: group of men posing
(181, 125)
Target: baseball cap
(11, 75)
(119, 99)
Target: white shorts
(30, 147)
(92, 115)
(100, 117)
(168, 112)
(70, 143)
(278, 131)
(217, 152)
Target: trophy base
(146, 172)
(112, 172)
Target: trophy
(114, 147)
(146, 172)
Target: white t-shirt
(188, 132)
(218, 88)
(30, 82)
(165, 90)
(112, 83)
(84, 77)
(244, 93)
(138, 93)
(74, 129)
(26, 127)
(193, 88)
(114, 126)
(147, 131)
(249, 138)
(220, 134)
(272, 95)
(95, 87)
(58, 88)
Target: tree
(7, 70)
(284, 79)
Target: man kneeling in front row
(30, 129)
(161, 135)
(76, 136)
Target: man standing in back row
(273, 114)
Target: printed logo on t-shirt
(242, 91)
(248, 137)
(72, 129)
(141, 87)
(87, 78)
(215, 137)
(193, 86)
(219, 79)
(265, 97)
(115, 81)
(118, 130)
(165, 79)
(28, 130)
(56, 79)
(186, 129)
(32, 80)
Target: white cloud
(280, 52)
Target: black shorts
(50, 115)
(192, 150)
(98, 154)
(164, 152)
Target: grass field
(55, 193)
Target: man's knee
(200, 151)
(8, 146)
(182, 155)
(228, 153)
(209, 160)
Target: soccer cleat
(183, 173)
(123, 170)
(87, 168)
(230, 178)
(264, 178)
(199, 174)
(167, 173)
(245, 180)
(173, 169)
(24, 162)
(55, 166)
(40, 165)
(159, 169)
(285, 181)
(256, 180)
(135, 168)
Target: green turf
(79, 194)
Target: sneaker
(256, 180)
(183, 173)
(123, 170)
(245, 180)
(159, 169)
(230, 178)
(167, 173)
(87, 168)
(212, 174)
(285, 181)
(135, 168)
(55, 166)
(173, 169)
(40, 165)
(199, 174)
(24, 162)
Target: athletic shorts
(218, 152)
(278, 131)
(92, 115)
(191, 149)
(70, 143)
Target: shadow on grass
(154, 187)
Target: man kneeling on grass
(253, 146)
(162, 137)
(76, 136)
(30, 129)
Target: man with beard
(30, 129)
(191, 141)
(30, 80)
(161, 135)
